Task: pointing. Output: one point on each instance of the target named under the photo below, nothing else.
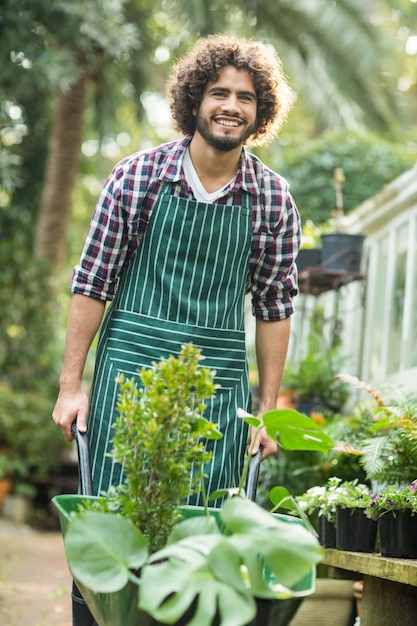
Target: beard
(223, 143)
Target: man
(179, 235)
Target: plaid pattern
(129, 195)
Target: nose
(230, 104)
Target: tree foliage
(368, 163)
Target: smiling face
(226, 117)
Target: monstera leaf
(292, 430)
(102, 549)
(186, 580)
(258, 556)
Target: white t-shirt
(193, 180)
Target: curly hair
(190, 76)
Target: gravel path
(35, 584)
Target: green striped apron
(186, 282)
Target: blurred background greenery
(82, 85)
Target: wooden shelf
(398, 570)
(316, 280)
(389, 585)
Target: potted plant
(384, 431)
(395, 509)
(313, 377)
(309, 255)
(319, 502)
(354, 531)
(341, 252)
(343, 503)
(217, 565)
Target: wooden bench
(389, 589)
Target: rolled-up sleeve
(106, 244)
(121, 216)
(273, 280)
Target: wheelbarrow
(121, 608)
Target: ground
(35, 584)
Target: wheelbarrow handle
(253, 475)
(84, 469)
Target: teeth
(228, 123)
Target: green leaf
(282, 542)
(219, 493)
(206, 429)
(280, 497)
(187, 547)
(205, 574)
(224, 561)
(249, 418)
(101, 548)
(253, 421)
(241, 515)
(168, 589)
(246, 573)
(199, 525)
(296, 431)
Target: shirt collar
(171, 168)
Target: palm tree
(96, 34)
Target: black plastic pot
(341, 252)
(308, 257)
(354, 531)
(398, 535)
(327, 532)
(81, 615)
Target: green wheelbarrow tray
(121, 608)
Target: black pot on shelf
(354, 531)
(308, 257)
(326, 532)
(398, 534)
(341, 252)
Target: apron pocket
(135, 341)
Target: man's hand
(84, 319)
(71, 406)
(269, 446)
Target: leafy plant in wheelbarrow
(140, 557)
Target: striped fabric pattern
(186, 283)
(130, 195)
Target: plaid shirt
(129, 195)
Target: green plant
(392, 498)
(30, 447)
(5, 469)
(11, 466)
(385, 433)
(325, 499)
(158, 439)
(369, 163)
(28, 354)
(314, 375)
(311, 235)
(214, 562)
